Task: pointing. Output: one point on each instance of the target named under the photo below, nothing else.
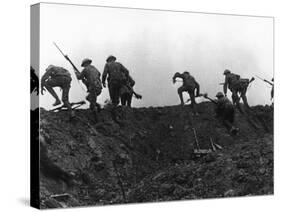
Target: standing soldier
(57, 77)
(117, 77)
(224, 111)
(189, 85)
(237, 86)
(91, 77)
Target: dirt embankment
(147, 155)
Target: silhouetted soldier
(117, 76)
(225, 111)
(126, 92)
(34, 81)
(189, 85)
(57, 77)
(237, 86)
(91, 77)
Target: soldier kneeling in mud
(57, 77)
(189, 85)
(91, 77)
(237, 86)
(225, 111)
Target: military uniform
(225, 111)
(126, 92)
(116, 75)
(57, 77)
(237, 86)
(189, 85)
(91, 77)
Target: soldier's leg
(180, 91)
(244, 98)
(49, 86)
(65, 96)
(114, 95)
(123, 99)
(193, 102)
(229, 116)
(129, 101)
(92, 98)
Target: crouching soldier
(127, 92)
(57, 77)
(225, 111)
(117, 76)
(91, 78)
(237, 86)
(189, 85)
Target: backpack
(117, 72)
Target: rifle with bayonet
(270, 83)
(77, 72)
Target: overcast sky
(154, 45)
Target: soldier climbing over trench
(237, 86)
(57, 77)
(225, 111)
(189, 85)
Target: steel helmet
(226, 71)
(86, 60)
(219, 94)
(49, 67)
(110, 57)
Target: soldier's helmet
(86, 61)
(110, 57)
(226, 71)
(219, 94)
(186, 72)
(50, 67)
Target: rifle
(74, 67)
(200, 95)
(265, 80)
(206, 97)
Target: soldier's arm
(225, 86)
(124, 70)
(80, 75)
(177, 75)
(104, 74)
(131, 81)
(46, 76)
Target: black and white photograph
(143, 105)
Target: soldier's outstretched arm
(225, 86)
(176, 75)
(104, 75)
